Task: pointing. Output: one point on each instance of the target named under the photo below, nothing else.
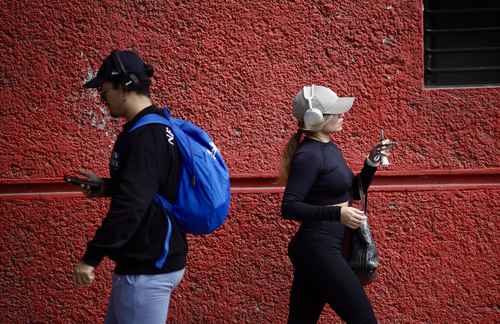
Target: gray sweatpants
(139, 299)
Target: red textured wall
(233, 67)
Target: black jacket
(143, 163)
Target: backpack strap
(160, 262)
(156, 119)
(166, 206)
(150, 119)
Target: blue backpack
(203, 195)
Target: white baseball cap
(323, 99)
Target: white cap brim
(339, 106)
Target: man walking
(144, 162)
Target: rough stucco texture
(233, 67)
(438, 262)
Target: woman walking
(319, 190)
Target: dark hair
(288, 152)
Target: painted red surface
(233, 67)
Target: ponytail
(288, 153)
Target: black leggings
(322, 275)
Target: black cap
(110, 69)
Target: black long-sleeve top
(144, 162)
(319, 178)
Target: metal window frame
(432, 73)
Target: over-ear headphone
(129, 80)
(313, 117)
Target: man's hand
(83, 274)
(92, 191)
(352, 217)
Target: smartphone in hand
(385, 145)
(388, 142)
(92, 185)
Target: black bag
(363, 258)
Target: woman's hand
(352, 217)
(92, 190)
(380, 150)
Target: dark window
(462, 42)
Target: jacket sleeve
(365, 176)
(132, 194)
(108, 187)
(304, 170)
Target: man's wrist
(92, 257)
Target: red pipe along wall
(233, 67)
